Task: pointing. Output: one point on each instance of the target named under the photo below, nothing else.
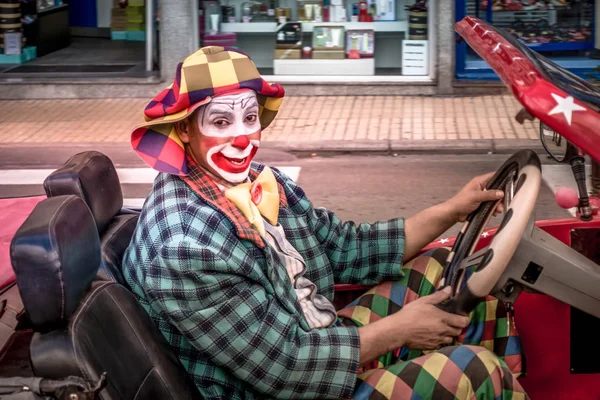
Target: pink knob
(566, 197)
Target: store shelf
(565, 46)
(271, 27)
(387, 26)
(248, 27)
(52, 9)
(362, 67)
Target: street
(361, 188)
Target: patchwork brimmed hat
(209, 72)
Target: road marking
(127, 176)
(133, 203)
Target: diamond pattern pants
(484, 363)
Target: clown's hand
(472, 195)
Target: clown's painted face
(227, 135)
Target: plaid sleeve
(242, 328)
(361, 253)
(364, 253)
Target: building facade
(561, 30)
(107, 48)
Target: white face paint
(231, 131)
(230, 116)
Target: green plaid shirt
(223, 299)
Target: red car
(71, 315)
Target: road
(357, 187)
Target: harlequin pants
(483, 364)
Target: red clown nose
(241, 142)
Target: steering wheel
(520, 177)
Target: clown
(226, 135)
(237, 267)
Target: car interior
(92, 176)
(67, 261)
(66, 258)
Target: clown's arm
(370, 253)
(427, 225)
(231, 319)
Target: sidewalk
(304, 123)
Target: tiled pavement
(341, 120)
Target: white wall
(103, 8)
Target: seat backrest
(85, 327)
(92, 176)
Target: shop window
(562, 30)
(74, 39)
(323, 37)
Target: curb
(463, 146)
(343, 146)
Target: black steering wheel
(520, 177)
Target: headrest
(55, 255)
(92, 176)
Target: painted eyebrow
(230, 102)
(253, 103)
(206, 113)
(221, 111)
(226, 107)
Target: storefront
(298, 42)
(562, 30)
(76, 39)
(308, 41)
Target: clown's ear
(184, 130)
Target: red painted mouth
(233, 165)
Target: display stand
(51, 30)
(345, 67)
(271, 27)
(13, 42)
(128, 23)
(257, 32)
(27, 54)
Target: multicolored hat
(209, 72)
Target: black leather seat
(85, 326)
(92, 176)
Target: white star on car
(485, 234)
(444, 240)
(566, 106)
